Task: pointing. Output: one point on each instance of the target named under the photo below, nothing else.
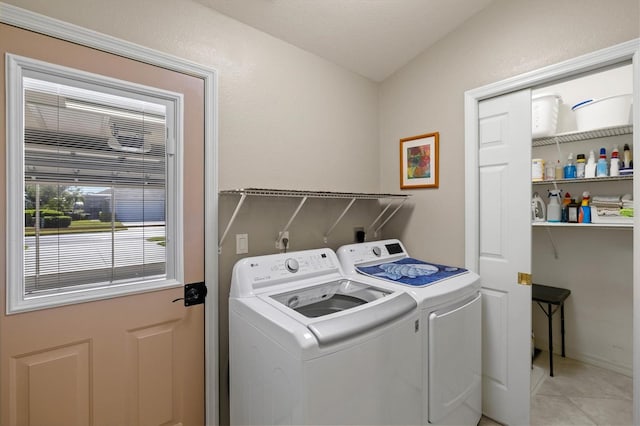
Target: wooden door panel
(135, 359)
(152, 367)
(52, 386)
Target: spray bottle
(554, 213)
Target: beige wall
(284, 113)
(508, 38)
(289, 119)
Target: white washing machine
(450, 305)
(310, 346)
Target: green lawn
(160, 240)
(76, 227)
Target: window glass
(95, 178)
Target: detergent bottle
(590, 168)
(538, 209)
(554, 213)
(614, 169)
(584, 216)
(570, 168)
(601, 166)
(580, 166)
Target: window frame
(16, 300)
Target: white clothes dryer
(310, 346)
(450, 305)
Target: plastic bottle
(601, 166)
(585, 209)
(615, 163)
(573, 211)
(564, 215)
(538, 209)
(554, 213)
(559, 171)
(627, 156)
(570, 168)
(590, 168)
(580, 166)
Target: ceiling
(373, 38)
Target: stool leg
(562, 326)
(549, 316)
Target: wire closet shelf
(305, 195)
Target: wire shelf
(377, 224)
(263, 192)
(586, 135)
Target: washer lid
(329, 298)
(344, 295)
(342, 327)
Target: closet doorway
(626, 53)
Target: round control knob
(377, 251)
(291, 265)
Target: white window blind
(95, 178)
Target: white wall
(508, 38)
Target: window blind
(95, 176)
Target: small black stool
(551, 296)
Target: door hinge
(194, 294)
(524, 279)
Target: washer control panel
(295, 265)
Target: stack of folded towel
(627, 206)
(613, 205)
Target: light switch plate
(242, 243)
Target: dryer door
(455, 380)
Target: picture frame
(419, 165)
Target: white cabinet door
(504, 197)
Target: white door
(504, 177)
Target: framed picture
(419, 161)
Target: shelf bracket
(379, 216)
(326, 235)
(375, 234)
(233, 218)
(293, 216)
(304, 195)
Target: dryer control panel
(371, 252)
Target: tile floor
(578, 394)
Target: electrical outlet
(279, 244)
(358, 234)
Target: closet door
(504, 168)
